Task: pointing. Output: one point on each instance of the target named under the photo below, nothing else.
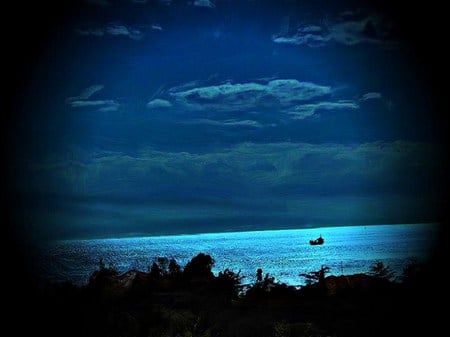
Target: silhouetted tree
(163, 263)
(380, 271)
(159, 267)
(103, 273)
(110, 270)
(411, 272)
(155, 270)
(174, 267)
(199, 267)
(316, 276)
(268, 282)
(229, 281)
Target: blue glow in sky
(151, 117)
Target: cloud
(83, 100)
(112, 29)
(371, 95)
(102, 105)
(204, 3)
(158, 104)
(290, 90)
(300, 182)
(349, 29)
(311, 40)
(246, 103)
(275, 94)
(227, 123)
(307, 110)
(184, 86)
(96, 32)
(217, 91)
(82, 104)
(156, 27)
(110, 107)
(285, 99)
(310, 29)
(119, 29)
(247, 169)
(87, 93)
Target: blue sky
(154, 117)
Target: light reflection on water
(282, 253)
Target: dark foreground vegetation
(168, 301)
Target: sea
(283, 254)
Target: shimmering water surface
(282, 253)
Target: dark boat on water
(316, 242)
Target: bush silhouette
(163, 263)
(229, 282)
(155, 270)
(412, 273)
(316, 276)
(197, 303)
(174, 267)
(380, 271)
(199, 267)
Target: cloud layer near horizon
(288, 168)
(245, 187)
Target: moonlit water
(283, 254)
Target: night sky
(164, 117)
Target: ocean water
(283, 254)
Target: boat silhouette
(316, 242)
